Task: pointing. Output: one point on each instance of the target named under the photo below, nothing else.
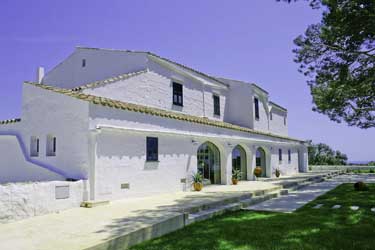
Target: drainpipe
(204, 102)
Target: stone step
(231, 200)
(209, 213)
(218, 210)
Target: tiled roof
(10, 121)
(153, 111)
(108, 80)
(278, 106)
(162, 58)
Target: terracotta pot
(258, 171)
(234, 181)
(277, 173)
(198, 186)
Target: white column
(226, 161)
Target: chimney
(39, 75)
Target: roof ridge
(160, 57)
(107, 102)
(277, 105)
(109, 80)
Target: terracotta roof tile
(154, 111)
(10, 121)
(108, 80)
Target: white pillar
(226, 161)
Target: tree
(322, 154)
(371, 163)
(338, 57)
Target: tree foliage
(322, 154)
(338, 57)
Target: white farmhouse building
(133, 124)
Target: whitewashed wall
(198, 98)
(23, 200)
(45, 112)
(100, 64)
(154, 90)
(120, 159)
(15, 165)
(277, 123)
(120, 154)
(285, 167)
(238, 109)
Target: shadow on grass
(307, 228)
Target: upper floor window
(289, 156)
(280, 154)
(256, 105)
(284, 120)
(34, 146)
(271, 115)
(177, 94)
(51, 145)
(216, 104)
(152, 149)
(83, 63)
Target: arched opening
(239, 161)
(208, 157)
(261, 161)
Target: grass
(363, 171)
(307, 228)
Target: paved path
(81, 228)
(298, 198)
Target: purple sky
(242, 39)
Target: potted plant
(236, 176)
(277, 172)
(197, 181)
(258, 171)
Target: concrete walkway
(86, 228)
(298, 198)
(121, 223)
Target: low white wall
(23, 200)
(343, 167)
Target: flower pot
(198, 186)
(258, 171)
(234, 181)
(277, 173)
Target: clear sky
(248, 40)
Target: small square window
(51, 145)
(216, 105)
(177, 94)
(34, 146)
(152, 153)
(83, 63)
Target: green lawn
(307, 228)
(363, 171)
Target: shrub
(360, 186)
(197, 177)
(236, 174)
(372, 170)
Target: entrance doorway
(208, 156)
(239, 161)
